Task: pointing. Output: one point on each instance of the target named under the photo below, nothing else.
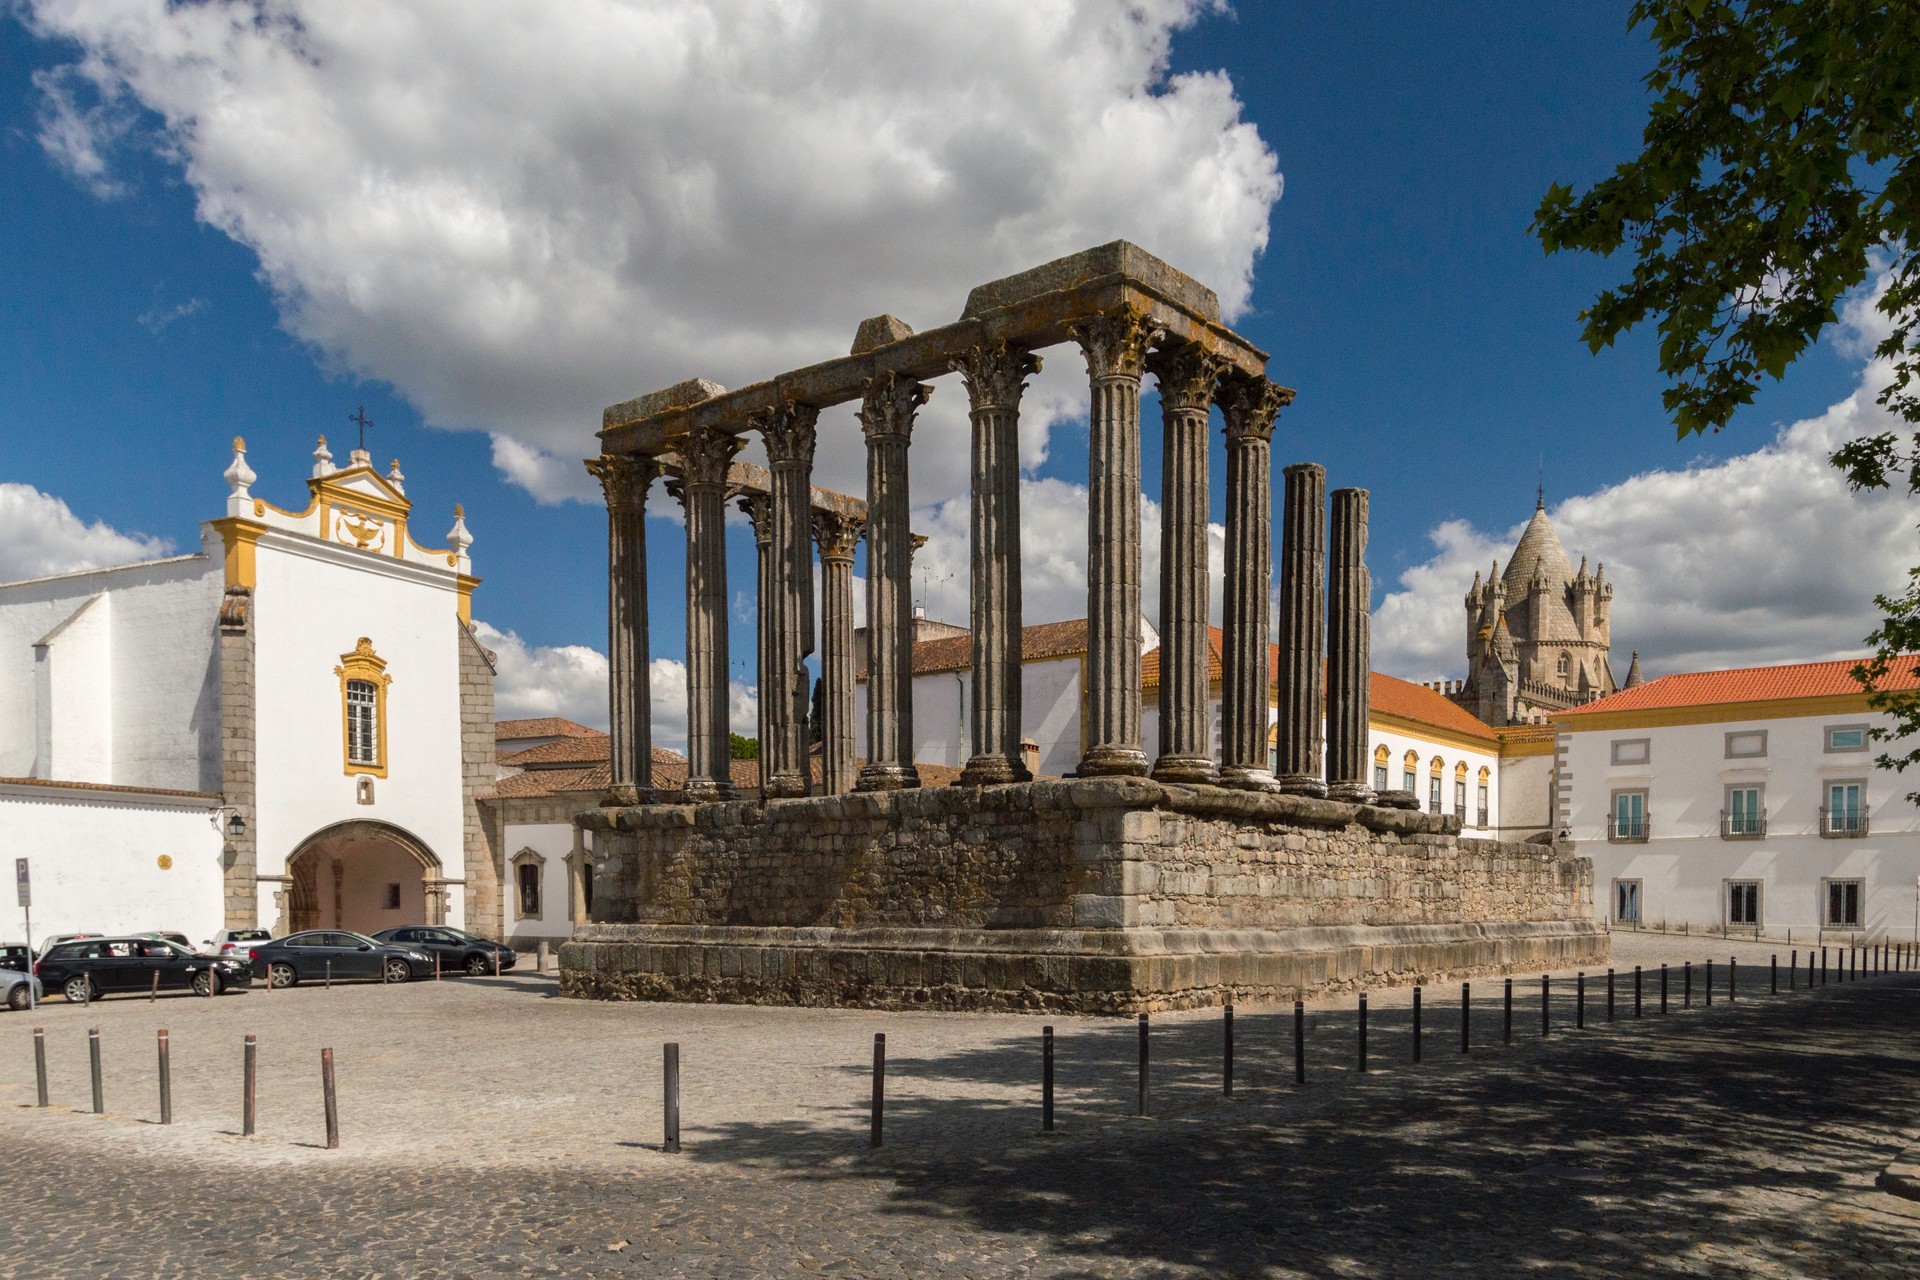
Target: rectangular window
(1628, 821)
(1408, 783)
(393, 897)
(363, 739)
(1843, 903)
(1845, 813)
(1460, 798)
(1747, 744)
(1483, 804)
(1743, 818)
(529, 876)
(1846, 737)
(1743, 902)
(1632, 750)
(1626, 901)
(1379, 777)
(1433, 794)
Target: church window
(363, 710)
(1409, 777)
(1382, 759)
(1566, 664)
(528, 870)
(393, 897)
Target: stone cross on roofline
(1130, 314)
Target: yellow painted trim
(239, 536)
(1715, 713)
(1420, 729)
(364, 664)
(1460, 770)
(1515, 748)
(464, 584)
(1381, 755)
(261, 506)
(390, 504)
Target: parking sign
(22, 883)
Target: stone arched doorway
(364, 876)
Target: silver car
(18, 990)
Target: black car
(456, 950)
(96, 967)
(17, 957)
(320, 955)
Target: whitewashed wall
(1049, 692)
(1685, 865)
(552, 841)
(1398, 742)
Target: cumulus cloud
(39, 535)
(571, 680)
(519, 215)
(1756, 559)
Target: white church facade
(291, 728)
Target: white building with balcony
(1744, 799)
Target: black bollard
(1226, 1053)
(1416, 1024)
(1506, 1021)
(166, 1080)
(1823, 966)
(1046, 1079)
(1299, 1042)
(1709, 984)
(1363, 1033)
(40, 1066)
(1636, 991)
(1733, 978)
(1663, 990)
(1143, 1064)
(1546, 1007)
(331, 1098)
(1773, 975)
(670, 1104)
(1686, 986)
(1609, 995)
(1466, 1017)
(93, 1056)
(1580, 1000)
(248, 1090)
(879, 1109)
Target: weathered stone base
(1096, 971)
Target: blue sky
(1434, 347)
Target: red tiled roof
(1393, 696)
(955, 653)
(585, 749)
(541, 727)
(1749, 684)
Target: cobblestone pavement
(489, 1129)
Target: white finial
(238, 476)
(322, 460)
(459, 539)
(395, 478)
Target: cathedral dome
(1539, 547)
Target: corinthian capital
(624, 478)
(888, 402)
(837, 535)
(789, 430)
(1249, 405)
(705, 454)
(995, 374)
(1186, 374)
(1115, 345)
(757, 506)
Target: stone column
(995, 376)
(887, 408)
(758, 508)
(625, 479)
(1115, 347)
(789, 431)
(1349, 593)
(1248, 404)
(1186, 375)
(837, 536)
(705, 455)
(1303, 619)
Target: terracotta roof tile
(1748, 684)
(584, 749)
(1393, 696)
(541, 727)
(955, 653)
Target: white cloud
(1761, 558)
(519, 215)
(39, 535)
(571, 681)
(550, 479)
(157, 319)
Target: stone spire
(238, 476)
(322, 460)
(458, 539)
(397, 478)
(1635, 677)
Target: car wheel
(477, 966)
(281, 975)
(201, 981)
(19, 997)
(398, 970)
(80, 990)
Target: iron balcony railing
(1627, 830)
(1743, 826)
(1843, 824)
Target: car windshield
(247, 935)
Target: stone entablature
(1093, 896)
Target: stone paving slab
(493, 1131)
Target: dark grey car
(458, 951)
(323, 955)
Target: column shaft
(1186, 375)
(837, 536)
(1303, 610)
(995, 377)
(1249, 406)
(758, 509)
(1349, 593)
(705, 456)
(789, 431)
(1115, 347)
(625, 479)
(887, 409)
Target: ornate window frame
(364, 664)
(529, 857)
